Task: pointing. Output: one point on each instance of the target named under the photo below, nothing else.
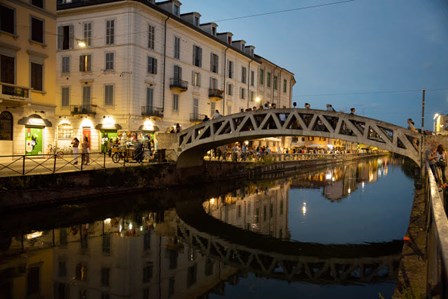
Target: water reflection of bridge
(291, 261)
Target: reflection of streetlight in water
(304, 209)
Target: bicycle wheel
(116, 157)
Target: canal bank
(62, 188)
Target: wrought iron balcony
(215, 94)
(196, 117)
(14, 93)
(152, 111)
(179, 85)
(83, 110)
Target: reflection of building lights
(141, 228)
(120, 228)
(304, 209)
(130, 225)
(107, 220)
(328, 176)
(349, 191)
(363, 185)
(33, 235)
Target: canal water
(334, 232)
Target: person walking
(441, 162)
(85, 149)
(75, 146)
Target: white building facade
(141, 66)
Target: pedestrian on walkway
(85, 151)
(75, 146)
(441, 162)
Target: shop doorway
(86, 133)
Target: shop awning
(108, 127)
(35, 120)
(150, 129)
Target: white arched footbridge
(194, 142)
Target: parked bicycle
(54, 150)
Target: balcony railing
(215, 94)
(83, 110)
(178, 84)
(152, 111)
(16, 93)
(196, 117)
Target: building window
(275, 82)
(147, 272)
(229, 89)
(243, 74)
(196, 107)
(177, 73)
(7, 19)
(7, 69)
(176, 10)
(213, 83)
(105, 277)
(149, 99)
(65, 131)
(87, 34)
(261, 77)
(37, 76)
(176, 47)
(196, 79)
(268, 79)
(151, 36)
(65, 96)
(192, 275)
(65, 37)
(6, 122)
(252, 78)
(37, 30)
(230, 69)
(33, 281)
(109, 61)
(242, 93)
(108, 95)
(38, 3)
(252, 96)
(86, 97)
(175, 102)
(105, 244)
(152, 65)
(110, 32)
(62, 269)
(147, 236)
(65, 64)
(214, 63)
(197, 56)
(285, 85)
(81, 272)
(85, 63)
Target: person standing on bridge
(431, 157)
(441, 162)
(216, 114)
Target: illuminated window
(65, 131)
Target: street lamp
(436, 122)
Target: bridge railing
(437, 242)
(24, 165)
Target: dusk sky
(374, 55)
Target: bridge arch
(194, 142)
